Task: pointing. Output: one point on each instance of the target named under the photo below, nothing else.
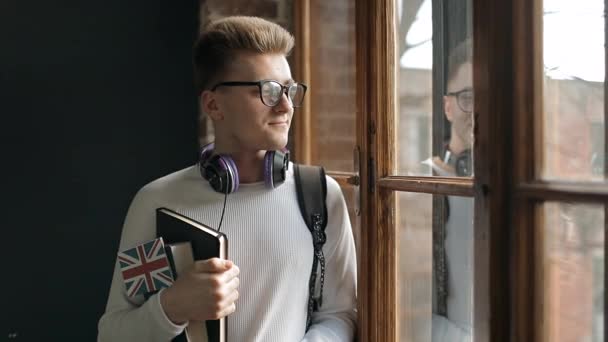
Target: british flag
(145, 268)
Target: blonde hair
(461, 54)
(221, 40)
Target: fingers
(222, 277)
(224, 290)
(228, 305)
(227, 311)
(225, 297)
(220, 309)
(233, 284)
(213, 265)
(213, 282)
(230, 299)
(217, 281)
(230, 274)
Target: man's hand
(207, 291)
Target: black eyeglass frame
(260, 83)
(457, 95)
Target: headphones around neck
(460, 162)
(221, 172)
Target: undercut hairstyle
(222, 40)
(461, 54)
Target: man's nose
(284, 104)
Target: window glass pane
(434, 132)
(572, 288)
(574, 119)
(435, 267)
(332, 84)
(351, 197)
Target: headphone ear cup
(217, 174)
(217, 178)
(221, 173)
(233, 174)
(205, 153)
(463, 165)
(276, 164)
(268, 169)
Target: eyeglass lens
(273, 91)
(466, 101)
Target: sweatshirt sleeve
(336, 319)
(127, 319)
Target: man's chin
(278, 146)
(277, 143)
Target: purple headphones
(220, 170)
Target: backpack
(311, 187)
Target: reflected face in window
(458, 107)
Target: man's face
(462, 121)
(241, 118)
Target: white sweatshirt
(270, 243)
(457, 325)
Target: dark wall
(96, 99)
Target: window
(569, 233)
(325, 53)
(434, 138)
(533, 204)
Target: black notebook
(205, 242)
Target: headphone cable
(223, 210)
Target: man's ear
(447, 108)
(208, 105)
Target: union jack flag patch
(145, 268)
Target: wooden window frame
(507, 35)
(302, 124)
(529, 189)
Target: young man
(453, 257)
(247, 90)
(458, 109)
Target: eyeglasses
(465, 99)
(271, 91)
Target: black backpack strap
(311, 187)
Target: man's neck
(250, 164)
(456, 146)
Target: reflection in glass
(574, 62)
(573, 272)
(435, 115)
(458, 109)
(435, 268)
(415, 259)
